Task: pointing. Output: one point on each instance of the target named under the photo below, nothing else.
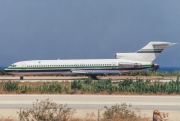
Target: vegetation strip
(89, 86)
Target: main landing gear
(94, 77)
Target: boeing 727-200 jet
(124, 62)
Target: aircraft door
(23, 66)
(113, 65)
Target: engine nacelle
(155, 66)
(129, 65)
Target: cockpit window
(13, 65)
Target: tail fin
(147, 53)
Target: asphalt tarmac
(143, 102)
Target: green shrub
(10, 86)
(103, 85)
(76, 84)
(2, 72)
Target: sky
(87, 29)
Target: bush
(76, 84)
(121, 112)
(2, 72)
(10, 86)
(103, 85)
(46, 110)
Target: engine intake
(155, 66)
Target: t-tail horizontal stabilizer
(147, 53)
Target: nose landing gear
(21, 77)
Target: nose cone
(7, 69)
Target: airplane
(124, 62)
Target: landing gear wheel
(21, 77)
(94, 77)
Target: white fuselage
(124, 62)
(76, 67)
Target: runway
(171, 103)
(72, 78)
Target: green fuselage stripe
(67, 67)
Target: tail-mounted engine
(130, 65)
(155, 66)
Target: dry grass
(77, 119)
(7, 119)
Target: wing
(96, 72)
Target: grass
(89, 86)
(7, 119)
